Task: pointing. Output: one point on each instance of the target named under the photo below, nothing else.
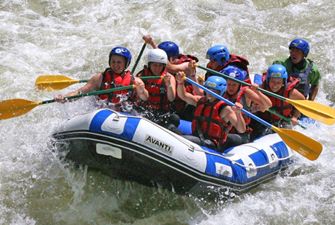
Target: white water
(74, 38)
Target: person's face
(173, 59)
(232, 87)
(213, 64)
(275, 84)
(156, 68)
(296, 55)
(210, 97)
(118, 63)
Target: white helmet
(158, 56)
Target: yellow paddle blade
(54, 82)
(300, 143)
(15, 107)
(315, 110)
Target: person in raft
(213, 118)
(116, 75)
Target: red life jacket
(112, 80)
(186, 58)
(157, 90)
(241, 98)
(280, 106)
(217, 68)
(208, 122)
(179, 104)
(238, 61)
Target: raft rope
(191, 146)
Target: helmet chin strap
(300, 65)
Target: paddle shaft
(92, 93)
(300, 143)
(82, 81)
(138, 58)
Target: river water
(74, 37)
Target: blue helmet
(171, 48)
(216, 83)
(300, 44)
(218, 53)
(234, 72)
(121, 51)
(276, 71)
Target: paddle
(312, 109)
(138, 58)
(55, 82)
(300, 143)
(58, 82)
(17, 107)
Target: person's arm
(192, 74)
(91, 85)
(170, 84)
(185, 96)
(174, 68)
(314, 92)
(262, 101)
(141, 92)
(149, 40)
(234, 115)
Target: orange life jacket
(112, 80)
(241, 98)
(157, 90)
(280, 106)
(179, 104)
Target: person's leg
(208, 143)
(258, 130)
(170, 121)
(193, 139)
(235, 140)
(188, 113)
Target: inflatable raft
(136, 149)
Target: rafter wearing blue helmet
(233, 86)
(171, 48)
(116, 75)
(235, 72)
(216, 83)
(220, 57)
(121, 51)
(213, 118)
(300, 44)
(277, 82)
(218, 53)
(277, 71)
(298, 66)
